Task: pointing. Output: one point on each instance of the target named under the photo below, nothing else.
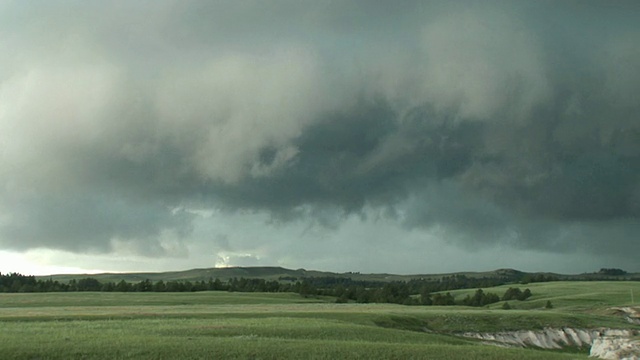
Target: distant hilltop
(284, 274)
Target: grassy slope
(231, 325)
(575, 304)
(275, 326)
(568, 296)
(269, 273)
(263, 338)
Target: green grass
(205, 340)
(209, 325)
(147, 299)
(575, 304)
(273, 337)
(568, 295)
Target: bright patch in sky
(37, 262)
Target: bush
(512, 294)
(525, 295)
(516, 294)
(481, 299)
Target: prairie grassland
(149, 298)
(210, 325)
(274, 337)
(570, 296)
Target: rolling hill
(280, 273)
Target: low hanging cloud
(485, 65)
(498, 123)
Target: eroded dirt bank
(604, 343)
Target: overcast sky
(372, 136)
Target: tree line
(16, 282)
(412, 292)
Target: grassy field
(570, 296)
(208, 325)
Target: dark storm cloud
(491, 123)
(89, 224)
(364, 154)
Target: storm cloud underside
(492, 124)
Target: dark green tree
(443, 300)
(159, 286)
(123, 286)
(108, 287)
(88, 284)
(525, 295)
(512, 294)
(425, 297)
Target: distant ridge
(280, 273)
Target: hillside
(280, 273)
(195, 325)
